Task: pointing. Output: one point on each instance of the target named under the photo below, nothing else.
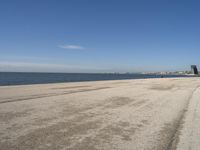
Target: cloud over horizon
(15, 66)
(69, 46)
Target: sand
(147, 114)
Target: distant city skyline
(99, 36)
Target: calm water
(13, 78)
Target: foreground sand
(150, 114)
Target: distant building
(194, 69)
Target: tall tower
(194, 69)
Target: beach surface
(143, 114)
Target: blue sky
(99, 35)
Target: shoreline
(7, 79)
(62, 82)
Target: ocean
(24, 78)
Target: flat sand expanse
(147, 114)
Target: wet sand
(143, 114)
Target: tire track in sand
(31, 97)
(175, 137)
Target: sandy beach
(143, 114)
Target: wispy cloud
(76, 47)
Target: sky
(99, 35)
